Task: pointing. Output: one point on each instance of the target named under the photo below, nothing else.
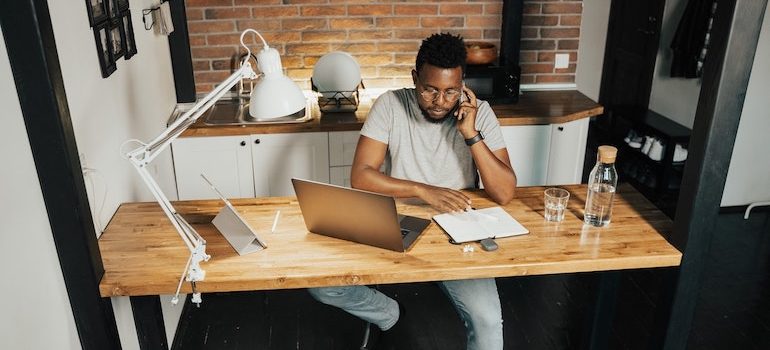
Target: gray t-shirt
(418, 150)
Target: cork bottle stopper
(607, 154)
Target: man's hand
(466, 114)
(443, 199)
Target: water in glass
(554, 211)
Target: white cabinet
(568, 149)
(340, 175)
(263, 164)
(528, 149)
(249, 165)
(342, 149)
(225, 160)
(276, 158)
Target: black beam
(29, 38)
(148, 318)
(726, 74)
(599, 322)
(181, 58)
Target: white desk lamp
(274, 96)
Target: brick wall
(383, 35)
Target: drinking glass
(555, 203)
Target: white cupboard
(342, 149)
(276, 158)
(262, 165)
(567, 152)
(249, 165)
(225, 160)
(528, 148)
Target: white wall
(675, 98)
(36, 312)
(593, 38)
(748, 179)
(134, 102)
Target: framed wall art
(97, 11)
(103, 48)
(129, 43)
(113, 8)
(116, 38)
(123, 5)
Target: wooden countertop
(533, 108)
(143, 254)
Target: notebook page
(476, 225)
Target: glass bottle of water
(601, 188)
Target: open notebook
(475, 225)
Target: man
(432, 140)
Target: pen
(275, 221)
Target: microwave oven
(494, 84)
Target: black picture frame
(113, 9)
(123, 5)
(129, 42)
(102, 39)
(97, 11)
(116, 38)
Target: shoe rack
(649, 164)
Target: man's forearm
(498, 177)
(370, 179)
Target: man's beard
(433, 120)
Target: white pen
(275, 221)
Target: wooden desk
(143, 254)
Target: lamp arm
(151, 150)
(142, 156)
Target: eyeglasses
(431, 94)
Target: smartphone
(459, 102)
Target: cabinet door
(528, 150)
(276, 158)
(225, 160)
(568, 149)
(342, 147)
(340, 175)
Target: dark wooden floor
(543, 312)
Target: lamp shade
(274, 95)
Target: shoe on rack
(647, 144)
(680, 153)
(633, 139)
(656, 150)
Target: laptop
(357, 216)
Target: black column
(181, 58)
(34, 61)
(726, 74)
(148, 318)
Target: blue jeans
(476, 301)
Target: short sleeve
(379, 121)
(487, 123)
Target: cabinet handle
(257, 141)
(243, 143)
(561, 128)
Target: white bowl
(336, 71)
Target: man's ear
(414, 77)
